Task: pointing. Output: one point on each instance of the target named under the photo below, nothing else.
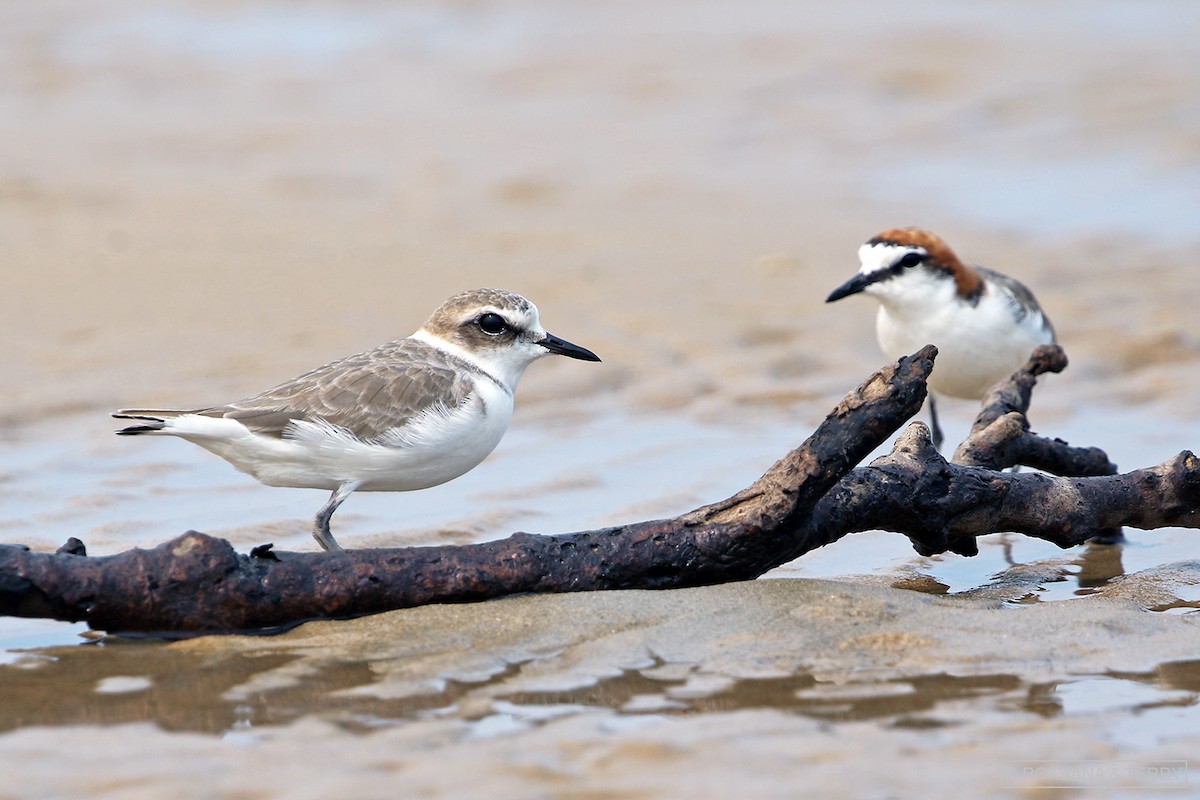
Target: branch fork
(813, 496)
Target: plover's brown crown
(461, 320)
(967, 281)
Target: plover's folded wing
(369, 394)
(1024, 304)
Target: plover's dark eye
(492, 324)
(911, 259)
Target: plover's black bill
(565, 348)
(857, 284)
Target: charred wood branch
(198, 583)
(942, 506)
(1000, 436)
(811, 497)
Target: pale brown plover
(407, 415)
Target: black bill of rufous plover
(407, 415)
(984, 324)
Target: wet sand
(201, 199)
(776, 687)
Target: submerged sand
(200, 198)
(778, 688)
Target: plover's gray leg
(935, 430)
(321, 524)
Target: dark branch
(811, 497)
(198, 583)
(1001, 437)
(943, 506)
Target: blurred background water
(200, 199)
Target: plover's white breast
(978, 344)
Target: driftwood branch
(811, 497)
(1000, 436)
(943, 506)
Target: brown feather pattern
(367, 394)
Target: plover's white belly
(436, 447)
(977, 345)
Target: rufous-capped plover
(985, 324)
(407, 415)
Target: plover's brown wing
(368, 394)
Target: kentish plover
(407, 415)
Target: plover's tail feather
(152, 420)
(134, 430)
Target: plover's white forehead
(880, 255)
(518, 312)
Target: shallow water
(199, 199)
(123, 681)
(635, 669)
